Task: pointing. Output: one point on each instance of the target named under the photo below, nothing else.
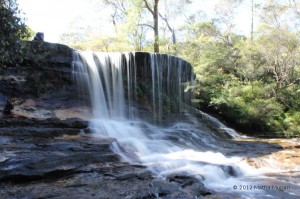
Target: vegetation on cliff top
(253, 84)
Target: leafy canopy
(13, 31)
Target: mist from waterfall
(166, 142)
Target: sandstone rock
(44, 54)
(42, 86)
(36, 162)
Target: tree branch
(143, 24)
(148, 7)
(167, 23)
(169, 27)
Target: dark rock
(51, 156)
(51, 54)
(39, 164)
(3, 103)
(231, 171)
(190, 184)
(8, 108)
(42, 86)
(76, 123)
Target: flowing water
(142, 101)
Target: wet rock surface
(58, 160)
(54, 158)
(284, 164)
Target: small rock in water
(190, 184)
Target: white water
(183, 145)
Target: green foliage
(292, 123)
(12, 32)
(252, 84)
(247, 105)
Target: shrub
(13, 31)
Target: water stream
(143, 103)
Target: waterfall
(125, 88)
(111, 79)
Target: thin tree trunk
(171, 30)
(154, 13)
(252, 16)
(155, 18)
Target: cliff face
(41, 86)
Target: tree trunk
(155, 19)
(172, 30)
(252, 16)
(154, 13)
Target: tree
(154, 12)
(281, 57)
(134, 15)
(275, 13)
(128, 21)
(279, 43)
(13, 30)
(169, 13)
(295, 5)
(172, 9)
(226, 11)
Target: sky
(55, 17)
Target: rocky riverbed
(58, 159)
(283, 165)
(61, 159)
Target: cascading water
(173, 140)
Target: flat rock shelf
(51, 161)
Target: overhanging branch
(148, 7)
(143, 24)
